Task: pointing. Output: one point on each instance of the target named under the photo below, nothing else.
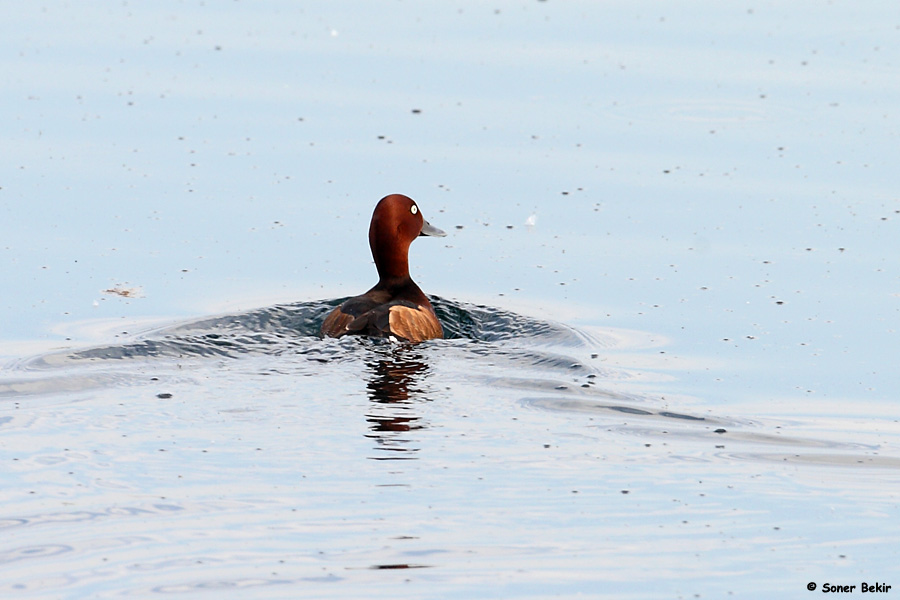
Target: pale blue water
(695, 206)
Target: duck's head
(396, 222)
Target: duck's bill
(429, 229)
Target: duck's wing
(344, 319)
(335, 324)
(413, 322)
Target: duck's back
(376, 314)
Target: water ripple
(293, 330)
(543, 364)
(32, 552)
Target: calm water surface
(670, 288)
(245, 452)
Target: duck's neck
(392, 262)
(393, 280)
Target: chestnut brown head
(396, 222)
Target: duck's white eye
(413, 209)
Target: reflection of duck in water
(394, 379)
(395, 307)
(394, 393)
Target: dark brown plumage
(395, 307)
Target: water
(670, 291)
(244, 452)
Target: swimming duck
(395, 307)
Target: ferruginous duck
(395, 307)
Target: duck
(395, 307)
